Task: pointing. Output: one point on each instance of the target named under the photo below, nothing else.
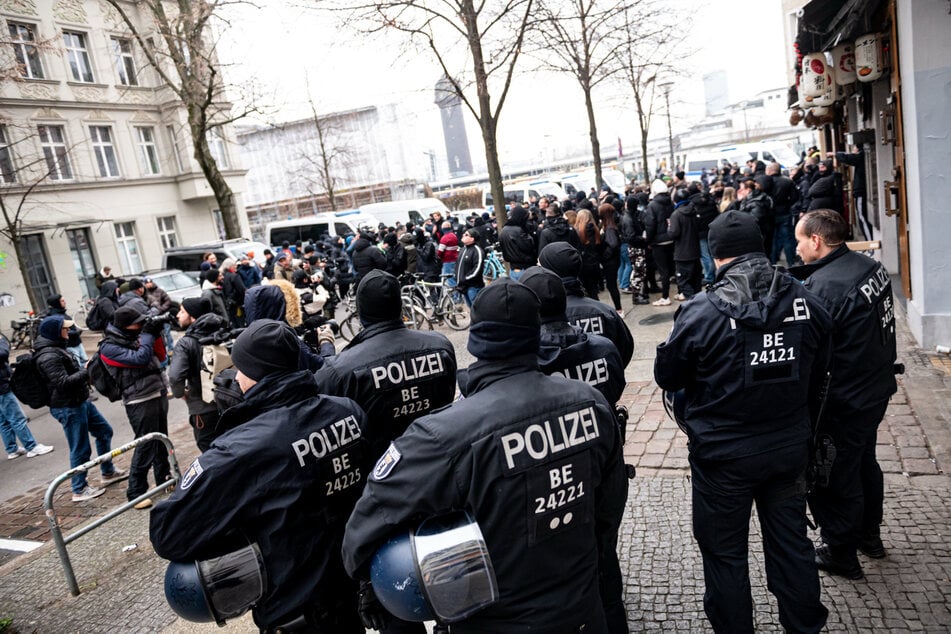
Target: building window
(79, 64)
(8, 172)
(148, 152)
(105, 152)
(125, 61)
(53, 142)
(175, 149)
(27, 55)
(166, 229)
(128, 248)
(216, 144)
(37, 265)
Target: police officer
(749, 353)
(286, 478)
(567, 350)
(588, 314)
(395, 374)
(858, 294)
(541, 475)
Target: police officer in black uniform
(541, 475)
(568, 351)
(286, 478)
(395, 374)
(588, 314)
(856, 291)
(749, 354)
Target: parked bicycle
(25, 330)
(412, 315)
(436, 302)
(493, 268)
(84, 305)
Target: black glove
(372, 612)
(153, 327)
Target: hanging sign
(816, 76)
(843, 60)
(868, 57)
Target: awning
(823, 24)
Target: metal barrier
(61, 541)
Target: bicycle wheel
(350, 326)
(414, 316)
(455, 310)
(18, 338)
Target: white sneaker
(39, 450)
(87, 494)
(16, 454)
(620, 313)
(663, 301)
(680, 297)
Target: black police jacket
(536, 460)
(598, 318)
(857, 292)
(395, 374)
(285, 477)
(574, 354)
(750, 354)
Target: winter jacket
(518, 246)
(760, 206)
(396, 260)
(611, 246)
(750, 354)
(703, 210)
(131, 357)
(184, 377)
(269, 301)
(557, 229)
(785, 195)
(406, 240)
(469, 267)
(448, 250)
(250, 274)
(655, 219)
(216, 297)
(683, 230)
(822, 193)
(136, 301)
(158, 299)
(366, 257)
(68, 383)
(233, 289)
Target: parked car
(176, 283)
(189, 258)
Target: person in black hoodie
(823, 193)
(106, 304)
(683, 230)
(518, 246)
(703, 209)
(69, 391)
(785, 195)
(366, 257)
(74, 345)
(557, 229)
(395, 255)
(656, 223)
(754, 201)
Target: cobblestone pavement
(908, 591)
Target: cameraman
(132, 350)
(199, 320)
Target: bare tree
(488, 34)
(185, 61)
(332, 155)
(581, 38)
(22, 171)
(651, 54)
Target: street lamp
(666, 87)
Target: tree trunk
(219, 186)
(595, 144)
(647, 169)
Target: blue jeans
(13, 425)
(624, 271)
(471, 293)
(706, 259)
(78, 422)
(449, 268)
(516, 274)
(784, 240)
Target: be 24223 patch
(387, 462)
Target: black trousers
(689, 277)
(664, 259)
(723, 495)
(145, 418)
(851, 506)
(205, 428)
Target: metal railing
(61, 541)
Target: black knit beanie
(550, 291)
(197, 306)
(266, 347)
(505, 321)
(378, 297)
(561, 258)
(733, 234)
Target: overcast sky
(282, 48)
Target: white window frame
(148, 150)
(104, 149)
(167, 232)
(123, 54)
(77, 56)
(8, 167)
(25, 51)
(170, 129)
(217, 147)
(55, 152)
(128, 247)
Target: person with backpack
(105, 307)
(68, 394)
(184, 376)
(12, 420)
(133, 351)
(57, 306)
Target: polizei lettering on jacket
(327, 439)
(407, 370)
(538, 441)
(593, 373)
(874, 286)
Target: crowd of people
(320, 457)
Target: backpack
(95, 319)
(28, 383)
(102, 378)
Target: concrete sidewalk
(907, 591)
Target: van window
(768, 157)
(305, 232)
(515, 195)
(415, 217)
(696, 166)
(341, 228)
(183, 261)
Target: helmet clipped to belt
(675, 403)
(216, 589)
(441, 571)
